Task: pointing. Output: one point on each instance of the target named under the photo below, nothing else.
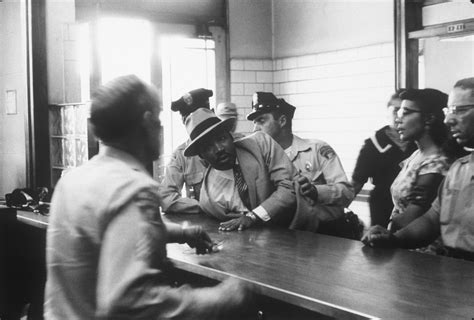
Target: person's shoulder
(180, 149)
(316, 144)
(114, 171)
(380, 140)
(254, 137)
(257, 142)
(319, 147)
(238, 135)
(382, 131)
(462, 161)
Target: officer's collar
(298, 145)
(113, 152)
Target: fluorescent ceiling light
(466, 38)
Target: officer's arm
(337, 190)
(170, 188)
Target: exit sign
(452, 28)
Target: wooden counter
(332, 276)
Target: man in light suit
(249, 181)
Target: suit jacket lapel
(250, 174)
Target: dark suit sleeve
(365, 163)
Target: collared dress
(316, 160)
(106, 247)
(379, 159)
(453, 209)
(413, 167)
(182, 171)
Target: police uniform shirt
(182, 171)
(316, 160)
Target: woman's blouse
(416, 165)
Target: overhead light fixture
(460, 38)
(202, 31)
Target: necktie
(242, 186)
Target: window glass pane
(187, 64)
(444, 61)
(124, 48)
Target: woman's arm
(430, 183)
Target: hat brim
(193, 147)
(252, 115)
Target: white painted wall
(304, 27)
(250, 29)
(13, 164)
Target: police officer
(321, 176)
(181, 170)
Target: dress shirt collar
(113, 152)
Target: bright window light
(187, 64)
(84, 61)
(125, 48)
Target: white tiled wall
(340, 96)
(247, 77)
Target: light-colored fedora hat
(199, 124)
(226, 110)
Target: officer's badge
(188, 98)
(255, 101)
(327, 152)
(308, 166)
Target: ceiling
(212, 12)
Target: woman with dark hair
(420, 119)
(379, 159)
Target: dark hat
(192, 100)
(265, 102)
(201, 123)
(429, 100)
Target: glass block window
(68, 137)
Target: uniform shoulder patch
(327, 152)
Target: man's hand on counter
(197, 238)
(241, 223)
